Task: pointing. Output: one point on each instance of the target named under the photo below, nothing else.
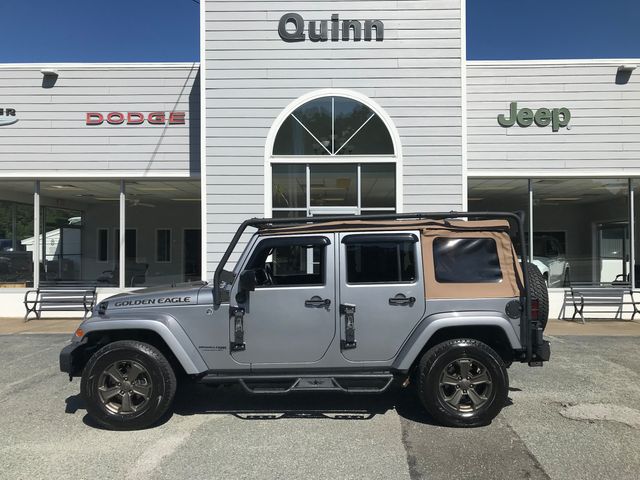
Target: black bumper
(71, 358)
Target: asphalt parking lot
(578, 417)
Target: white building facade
(310, 108)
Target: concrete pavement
(577, 417)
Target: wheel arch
(167, 336)
(497, 332)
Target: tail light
(535, 309)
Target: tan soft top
(389, 225)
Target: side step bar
(356, 383)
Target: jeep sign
(318, 30)
(558, 117)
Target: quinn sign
(136, 118)
(543, 117)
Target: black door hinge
(237, 314)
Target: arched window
(333, 125)
(331, 153)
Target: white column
(123, 224)
(36, 234)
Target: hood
(174, 295)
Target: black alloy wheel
(128, 385)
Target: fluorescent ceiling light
(62, 187)
(497, 187)
(157, 189)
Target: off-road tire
(161, 378)
(538, 288)
(431, 367)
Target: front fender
(164, 325)
(431, 324)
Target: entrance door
(290, 316)
(380, 277)
(613, 252)
(192, 255)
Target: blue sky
(530, 29)
(99, 30)
(168, 30)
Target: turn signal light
(79, 333)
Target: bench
(597, 296)
(60, 297)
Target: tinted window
(466, 260)
(381, 262)
(289, 265)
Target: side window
(290, 265)
(466, 260)
(381, 260)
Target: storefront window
(334, 189)
(581, 230)
(16, 234)
(580, 225)
(78, 224)
(162, 239)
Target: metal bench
(60, 297)
(597, 296)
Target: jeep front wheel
(462, 383)
(128, 385)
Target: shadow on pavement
(200, 399)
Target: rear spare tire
(538, 289)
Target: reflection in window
(289, 265)
(333, 126)
(466, 260)
(385, 261)
(16, 234)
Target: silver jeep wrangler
(439, 302)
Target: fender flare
(164, 325)
(432, 324)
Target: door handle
(317, 302)
(401, 299)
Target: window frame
(170, 251)
(271, 160)
(373, 238)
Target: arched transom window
(331, 155)
(333, 126)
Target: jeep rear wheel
(462, 383)
(128, 385)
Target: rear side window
(380, 261)
(466, 260)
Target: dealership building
(132, 175)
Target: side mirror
(248, 281)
